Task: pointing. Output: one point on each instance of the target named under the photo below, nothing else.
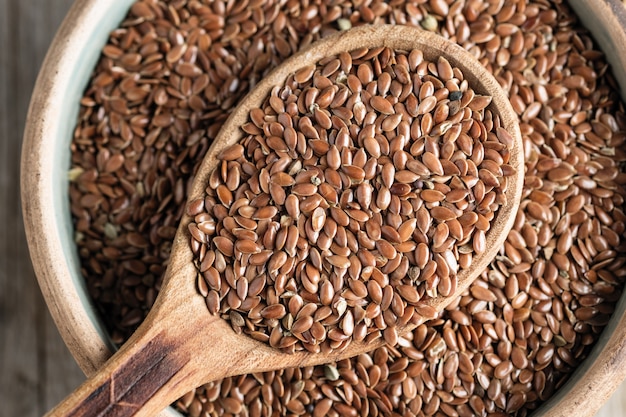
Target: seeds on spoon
(351, 178)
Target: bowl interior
(606, 22)
(52, 117)
(88, 41)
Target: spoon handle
(141, 379)
(171, 353)
(178, 347)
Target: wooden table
(36, 370)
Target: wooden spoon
(181, 345)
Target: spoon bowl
(181, 345)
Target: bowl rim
(44, 171)
(37, 187)
(585, 392)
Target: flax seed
(124, 218)
(351, 190)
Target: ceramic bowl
(45, 161)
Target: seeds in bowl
(360, 188)
(537, 307)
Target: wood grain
(37, 370)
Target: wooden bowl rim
(62, 285)
(588, 388)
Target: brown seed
(381, 105)
(302, 324)
(406, 177)
(563, 114)
(409, 293)
(275, 311)
(355, 173)
(231, 153)
(213, 302)
(432, 196)
(479, 241)
(442, 213)
(304, 74)
(318, 219)
(224, 245)
(338, 261)
(247, 246)
(388, 174)
(432, 163)
(265, 213)
(406, 229)
(444, 69)
(427, 105)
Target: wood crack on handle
(134, 383)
